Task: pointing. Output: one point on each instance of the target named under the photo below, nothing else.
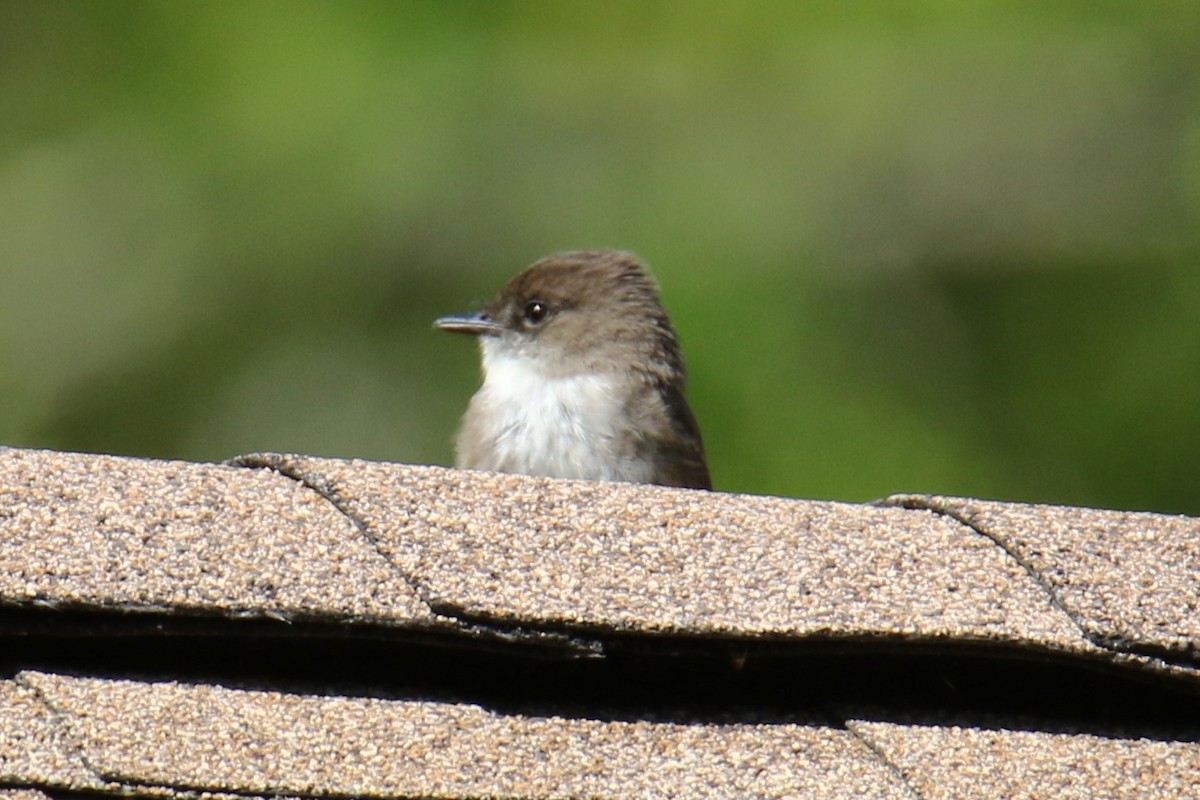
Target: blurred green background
(918, 246)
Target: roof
(307, 627)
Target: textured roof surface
(954, 762)
(654, 559)
(156, 535)
(1131, 579)
(295, 626)
(265, 742)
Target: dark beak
(476, 324)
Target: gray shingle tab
(34, 748)
(957, 763)
(213, 738)
(23, 794)
(654, 559)
(1130, 579)
(144, 535)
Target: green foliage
(911, 247)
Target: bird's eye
(536, 311)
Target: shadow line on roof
(667, 678)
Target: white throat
(528, 422)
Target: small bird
(583, 377)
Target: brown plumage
(583, 377)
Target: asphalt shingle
(163, 536)
(23, 794)
(652, 559)
(957, 763)
(211, 738)
(1130, 579)
(1041, 598)
(34, 748)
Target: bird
(583, 377)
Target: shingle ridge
(28, 679)
(285, 466)
(952, 508)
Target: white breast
(535, 424)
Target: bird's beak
(476, 324)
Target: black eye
(536, 311)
